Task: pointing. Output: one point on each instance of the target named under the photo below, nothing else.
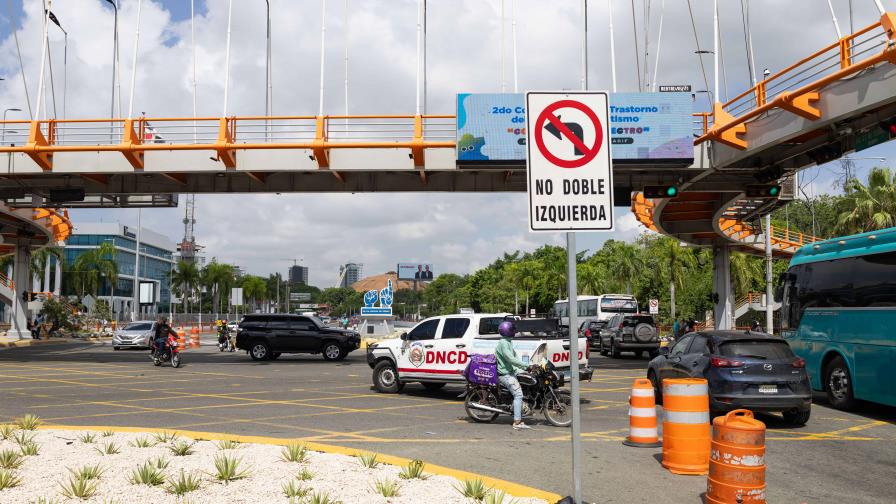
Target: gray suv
(629, 332)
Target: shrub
(181, 448)
(6, 431)
(414, 470)
(28, 422)
(87, 438)
(474, 489)
(22, 438)
(387, 488)
(31, 449)
(9, 459)
(228, 469)
(45, 500)
(499, 497)
(147, 474)
(164, 436)
(323, 498)
(88, 472)
(369, 460)
(294, 490)
(184, 484)
(142, 442)
(108, 433)
(294, 452)
(305, 475)
(109, 448)
(8, 479)
(159, 462)
(79, 488)
(228, 444)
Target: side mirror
(403, 336)
(664, 350)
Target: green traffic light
(774, 190)
(671, 191)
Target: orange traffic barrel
(686, 429)
(737, 460)
(181, 339)
(642, 416)
(194, 337)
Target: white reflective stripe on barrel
(642, 392)
(687, 417)
(642, 412)
(685, 389)
(642, 432)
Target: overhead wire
(15, 34)
(748, 43)
(646, 11)
(659, 41)
(699, 51)
(722, 58)
(637, 51)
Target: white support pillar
(19, 313)
(721, 287)
(57, 280)
(46, 286)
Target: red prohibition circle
(548, 115)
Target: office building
(156, 264)
(298, 275)
(349, 273)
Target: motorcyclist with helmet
(508, 366)
(160, 338)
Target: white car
(436, 351)
(135, 334)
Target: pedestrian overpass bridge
(808, 113)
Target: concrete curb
(511, 488)
(34, 342)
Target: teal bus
(838, 313)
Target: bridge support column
(19, 313)
(723, 295)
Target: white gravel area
(341, 476)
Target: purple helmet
(507, 329)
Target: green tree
(624, 262)
(526, 274)
(254, 288)
(38, 263)
(185, 278)
(868, 207)
(93, 267)
(680, 261)
(218, 278)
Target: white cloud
(457, 232)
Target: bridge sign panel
(568, 164)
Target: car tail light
(587, 333)
(720, 362)
(799, 363)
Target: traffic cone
(642, 416)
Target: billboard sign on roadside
(415, 271)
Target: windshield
(138, 326)
(319, 322)
(757, 349)
(618, 305)
(640, 319)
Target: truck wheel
(838, 384)
(260, 351)
(432, 386)
(332, 351)
(385, 378)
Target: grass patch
(294, 452)
(387, 488)
(79, 488)
(22, 438)
(499, 497)
(88, 472)
(293, 490)
(181, 448)
(369, 460)
(8, 479)
(159, 462)
(45, 500)
(414, 470)
(108, 433)
(28, 422)
(323, 498)
(6, 431)
(164, 437)
(305, 475)
(10, 459)
(87, 438)
(148, 474)
(31, 449)
(228, 468)
(142, 442)
(184, 484)
(109, 448)
(474, 489)
(228, 444)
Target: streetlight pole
(114, 67)
(3, 132)
(268, 85)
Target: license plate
(768, 389)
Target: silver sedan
(135, 334)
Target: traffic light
(889, 126)
(660, 191)
(763, 191)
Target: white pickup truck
(436, 351)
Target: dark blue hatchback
(751, 370)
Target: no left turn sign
(570, 177)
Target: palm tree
(590, 278)
(254, 288)
(744, 270)
(94, 266)
(869, 207)
(526, 274)
(39, 262)
(624, 262)
(218, 278)
(185, 278)
(680, 260)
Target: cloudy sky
(456, 232)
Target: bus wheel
(838, 384)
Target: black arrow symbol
(574, 128)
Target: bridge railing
(849, 55)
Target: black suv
(266, 336)
(629, 332)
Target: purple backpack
(482, 369)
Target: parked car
(267, 336)
(590, 328)
(134, 335)
(751, 370)
(629, 332)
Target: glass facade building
(156, 262)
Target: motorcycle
(541, 386)
(169, 354)
(225, 342)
